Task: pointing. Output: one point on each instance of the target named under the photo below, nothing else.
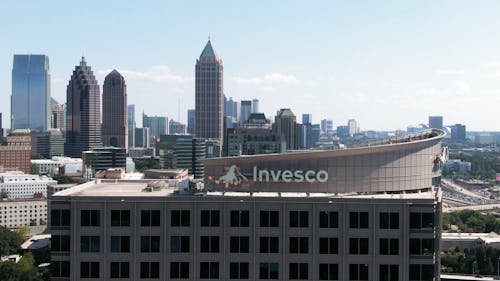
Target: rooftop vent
(154, 186)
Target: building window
(238, 270)
(269, 244)
(59, 268)
(179, 244)
(150, 218)
(389, 272)
(421, 272)
(210, 218)
(298, 271)
(239, 244)
(60, 217)
(269, 219)
(240, 218)
(209, 270)
(120, 218)
(269, 270)
(389, 246)
(60, 243)
(120, 244)
(180, 218)
(90, 244)
(209, 244)
(358, 246)
(328, 271)
(179, 270)
(89, 269)
(329, 245)
(119, 270)
(328, 219)
(421, 246)
(150, 270)
(299, 245)
(299, 219)
(358, 219)
(90, 218)
(389, 220)
(358, 272)
(150, 244)
(422, 220)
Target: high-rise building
(57, 115)
(191, 121)
(176, 128)
(83, 113)
(254, 140)
(30, 104)
(245, 111)
(182, 152)
(307, 118)
(353, 126)
(458, 132)
(436, 122)
(255, 106)
(114, 111)
(1, 127)
(157, 124)
(342, 131)
(47, 144)
(131, 125)
(142, 137)
(285, 123)
(15, 153)
(209, 101)
(327, 125)
(103, 158)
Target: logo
(233, 176)
(289, 175)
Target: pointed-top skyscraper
(114, 111)
(209, 103)
(83, 113)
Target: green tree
(9, 241)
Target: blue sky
(388, 64)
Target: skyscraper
(255, 106)
(191, 121)
(30, 101)
(209, 101)
(158, 124)
(246, 110)
(131, 125)
(83, 112)
(327, 125)
(436, 122)
(57, 115)
(285, 123)
(307, 118)
(114, 111)
(353, 127)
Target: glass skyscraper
(30, 101)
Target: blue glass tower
(30, 101)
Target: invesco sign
(289, 175)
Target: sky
(388, 64)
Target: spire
(208, 51)
(83, 62)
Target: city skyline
(340, 62)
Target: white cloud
(494, 75)
(494, 63)
(268, 79)
(159, 73)
(450, 72)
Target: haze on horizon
(387, 64)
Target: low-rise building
(469, 240)
(23, 212)
(57, 165)
(18, 185)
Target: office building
(458, 133)
(131, 125)
(57, 115)
(47, 144)
(182, 152)
(191, 121)
(285, 123)
(103, 158)
(327, 126)
(306, 216)
(83, 112)
(342, 131)
(114, 111)
(254, 140)
(18, 185)
(255, 106)
(57, 165)
(17, 213)
(30, 101)
(157, 124)
(141, 152)
(245, 111)
(176, 128)
(436, 122)
(307, 118)
(143, 137)
(15, 152)
(209, 98)
(231, 108)
(353, 126)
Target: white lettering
(289, 175)
(322, 176)
(275, 176)
(307, 176)
(261, 172)
(299, 177)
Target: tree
(4, 194)
(24, 270)
(9, 241)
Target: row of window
(241, 244)
(241, 270)
(211, 218)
